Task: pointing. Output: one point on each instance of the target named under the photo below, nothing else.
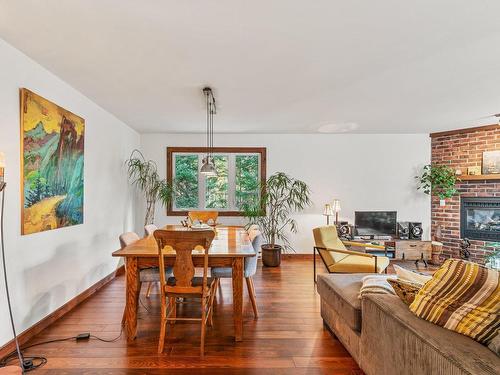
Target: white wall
(47, 269)
(366, 172)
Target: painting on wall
(52, 146)
(491, 162)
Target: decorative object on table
(491, 162)
(328, 211)
(492, 260)
(471, 292)
(464, 249)
(416, 231)
(52, 147)
(474, 171)
(438, 180)
(144, 175)
(437, 249)
(336, 208)
(208, 166)
(283, 195)
(458, 172)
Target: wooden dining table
(230, 247)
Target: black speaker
(344, 230)
(416, 231)
(403, 230)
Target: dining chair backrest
(206, 217)
(128, 238)
(183, 243)
(149, 229)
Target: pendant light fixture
(208, 167)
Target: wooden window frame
(262, 151)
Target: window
(240, 173)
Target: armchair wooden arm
(348, 252)
(362, 244)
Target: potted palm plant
(144, 175)
(438, 180)
(282, 196)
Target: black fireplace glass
(480, 218)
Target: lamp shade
(336, 205)
(2, 166)
(208, 169)
(328, 211)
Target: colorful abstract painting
(52, 145)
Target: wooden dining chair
(148, 231)
(184, 284)
(206, 217)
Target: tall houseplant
(438, 180)
(144, 175)
(282, 196)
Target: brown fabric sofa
(384, 337)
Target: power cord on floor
(38, 361)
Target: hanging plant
(144, 175)
(438, 180)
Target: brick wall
(459, 151)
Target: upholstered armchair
(338, 259)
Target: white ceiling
(277, 66)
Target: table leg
(238, 298)
(132, 297)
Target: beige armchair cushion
(359, 264)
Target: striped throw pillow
(463, 297)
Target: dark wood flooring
(288, 337)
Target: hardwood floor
(288, 337)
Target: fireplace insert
(480, 218)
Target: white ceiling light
(341, 127)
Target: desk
(229, 248)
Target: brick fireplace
(461, 149)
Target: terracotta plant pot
(271, 256)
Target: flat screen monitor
(375, 223)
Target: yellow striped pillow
(463, 297)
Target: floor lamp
(25, 365)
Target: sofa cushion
(463, 297)
(341, 293)
(416, 346)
